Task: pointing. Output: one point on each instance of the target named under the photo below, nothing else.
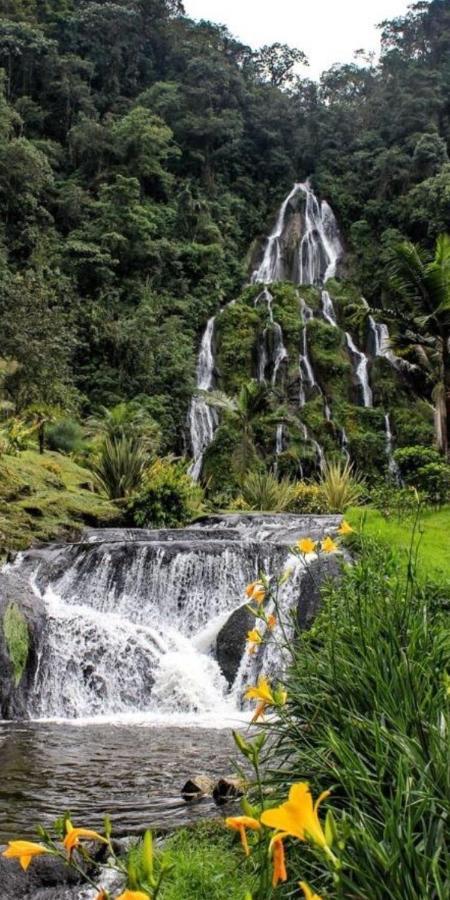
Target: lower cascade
(155, 622)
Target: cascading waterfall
(133, 616)
(307, 377)
(202, 417)
(392, 465)
(381, 346)
(273, 267)
(328, 309)
(272, 349)
(321, 248)
(360, 365)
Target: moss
(238, 329)
(218, 473)
(17, 639)
(41, 502)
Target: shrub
(434, 480)
(411, 459)
(168, 497)
(262, 491)
(339, 487)
(119, 466)
(65, 436)
(309, 499)
(399, 502)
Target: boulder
(231, 642)
(315, 575)
(22, 629)
(45, 879)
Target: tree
(424, 283)
(276, 63)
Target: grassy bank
(46, 496)
(431, 537)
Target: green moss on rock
(17, 639)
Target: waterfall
(133, 615)
(279, 441)
(272, 348)
(202, 417)
(392, 465)
(381, 346)
(307, 377)
(360, 365)
(321, 248)
(272, 267)
(328, 309)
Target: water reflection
(132, 772)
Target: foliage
(367, 691)
(126, 420)
(426, 470)
(17, 639)
(398, 502)
(167, 498)
(65, 435)
(339, 487)
(205, 864)
(119, 466)
(263, 491)
(410, 459)
(309, 499)
(434, 480)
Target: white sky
(328, 31)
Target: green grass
(432, 537)
(208, 864)
(46, 496)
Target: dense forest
(142, 155)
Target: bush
(65, 436)
(411, 459)
(263, 492)
(168, 497)
(339, 487)
(434, 480)
(119, 466)
(399, 502)
(309, 499)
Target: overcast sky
(328, 31)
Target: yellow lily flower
(306, 545)
(240, 824)
(309, 895)
(24, 851)
(328, 546)
(256, 591)
(345, 528)
(74, 835)
(279, 860)
(134, 895)
(263, 693)
(102, 895)
(298, 817)
(254, 637)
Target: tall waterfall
(202, 417)
(133, 616)
(360, 362)
(272, 350)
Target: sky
(328, 31)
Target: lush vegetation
(131, 187)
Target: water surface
(133, 772)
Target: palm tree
(254, 400)
(424, 284)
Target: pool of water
(132, 771)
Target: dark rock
(311, 584)
(46, 877)
(231, 642)
(13, 697)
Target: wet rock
(231, 641)
(196, 788)
(311, 584)
(45, 879)
(25, 626)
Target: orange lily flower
(279, 860)
(298, 817)
(134, 895)
(256, 591)
(328, 546)
(306, 545)
(74, 835)
(345, 528)
(271, 622)
(240, 824)
(24, 851)
(263, 693)
(309, 895)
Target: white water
(307, 377)
(328, 309)
(360, 365)
(202, 417)
(132, 618)
(320, 249)
(272, 267)
(272, 349)
(392, 465)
